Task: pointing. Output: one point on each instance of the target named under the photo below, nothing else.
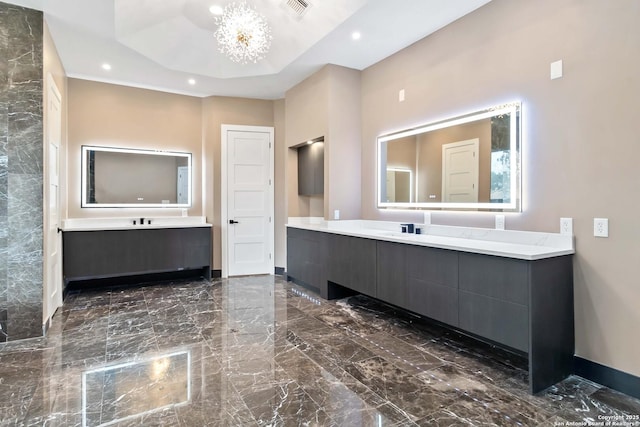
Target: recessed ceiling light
(106, 66)
(356, 35)
(216, 10)
(309, 142)
(191, 81)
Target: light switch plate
(499, 222)
(601, 227)
(401, 95)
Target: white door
(53, 254)
(460, 162)
(248, 217)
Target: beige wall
(118, 116)
(216, 111)
(342, 173)
(326, 104)
(280, 177)
(580, 142)
(306, 118)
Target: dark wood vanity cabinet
(307, 257)
(423, 280)
(432, 280)
(523, 305)
(111, 253)
(391, 273)
(330, 263)
(352, 263)
(311, 169)
(494, 299)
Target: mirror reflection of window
(500, 159)
(500, 176)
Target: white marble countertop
(527, 245)
(99, 224)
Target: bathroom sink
(398, 234)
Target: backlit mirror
(466, 162)
(123, 177)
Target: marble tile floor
(258, 351)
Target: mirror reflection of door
(460, 163)
(399, 185)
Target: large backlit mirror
(122, 177)
(466, 162)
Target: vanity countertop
(526, 245)
(100, 224)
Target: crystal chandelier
(243, 34)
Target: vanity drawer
(352, 263)
(500, 321)
(432, 276)
(306, 256)
(500, 278)
(391, 273)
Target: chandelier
(243, 34)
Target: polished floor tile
(258, 351)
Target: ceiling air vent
(298, 6)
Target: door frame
(224, 219)
(49, 309)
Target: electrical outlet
(601, 227)
(336, 214)
(499, 222)
(566, 226)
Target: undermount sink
(399, 234)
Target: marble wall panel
(24, 142)
(21, 172)
(4, 43)
(4, 186)
(24, 209)
(4, 113)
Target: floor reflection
(258, 351)
(124, 391)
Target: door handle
(233, 222)
(59, 229)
